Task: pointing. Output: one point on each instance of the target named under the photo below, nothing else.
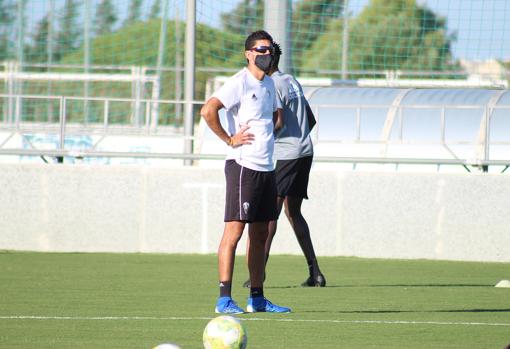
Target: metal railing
(152, 128)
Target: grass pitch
(60, 300)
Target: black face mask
(263, 62)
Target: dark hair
(276, 55)
(258, 35)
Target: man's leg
(256, 263)
(302, 232)
(272, 227)
(257, 234)
(226, 257)
(272, 231)
(227, 249)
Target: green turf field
(141, 300)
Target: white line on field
(116, 318)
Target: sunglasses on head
(263, 49)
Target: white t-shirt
(251, 102)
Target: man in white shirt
(249, 98)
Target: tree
(69, 34)
(38, 52)
(247, 17)
(387, 35)
(105, 17)
(138, 44)
(6, 20)
(134, 12)
(155, 9)
(310, 18)
(6, 12)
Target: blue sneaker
(226, 305)
(261, 304)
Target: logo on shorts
(246, 207)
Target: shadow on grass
(409, 311)
(394, 285)
(475, 311)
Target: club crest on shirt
(246, 207)
(294, 91)
(253, 97)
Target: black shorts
(251, 195)
(292, 177)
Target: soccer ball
(167, 346)
(225, 332)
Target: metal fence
(331, 145)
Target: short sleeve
(280, 95)
(229, 94)
(277, 101)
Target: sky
(482, 27)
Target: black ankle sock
(225, 288)
(310, 267)
(256, 292)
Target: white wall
(180, 210)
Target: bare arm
(210, 114)
(278, 121)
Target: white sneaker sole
(220, 312)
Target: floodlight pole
(49, 52)
(178, 63)
(277, 23)
(20, 56)
(49, 45)
(345, 40)
(189, 77)
(159, 63)
(86, 59)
